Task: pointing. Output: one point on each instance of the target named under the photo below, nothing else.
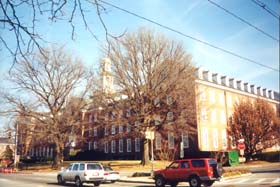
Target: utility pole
(16, 143)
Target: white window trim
(137, 144)
(120, 145)
(128, 145)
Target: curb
(136, 181)
(235, 176)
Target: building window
(223, 117)
(137, 144)
(105, 131)
(95, 118)
(44, 151)
(95, 131)
(113, 130)
(229, 100)
(113, 146)
(221, 98)
(158, 142)
(95, 146)
(128, 113)
(51, 153)
(224, 138)
(169, 116)
(89, 145)
(236, 100)
(215, 138)
(205, 140)
(106, 149)
(120, 114)
(204, 114)
(185, 140)
(106, 117)
(113, 115)
(120, 129)
(48, 151)
(169, 100)
(90, 118)
(202, 96)
(157, 102)
(120, 145)
(170, 140)
(136, 123)
(213, 116)
(128, 145)
(212, 96)
(157, 119)
(89, 132)
(128, 128)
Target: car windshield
(94, 167)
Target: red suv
(195, 171)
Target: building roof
(232, 83)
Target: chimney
(265, 94)
(247, 87)
(216, 78)
(232, 83)
(271, 94)
(225, 81)
(259, 91)
(207, 75)
(199, 73)
(253, 89)
(240, 85)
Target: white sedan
(110, 175)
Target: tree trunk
(58, 158)
(145, 156)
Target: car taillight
(106, 173)
(210, 171)
(85, 173)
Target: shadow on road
(55, 184)
(267, 171)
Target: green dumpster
(233, 158)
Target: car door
(183, 171)
(74, 172)
(171, 172)
(66, 173)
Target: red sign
(241, 145)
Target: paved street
(260, 177)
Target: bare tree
(255, 122)
(49, 92)
(155, 77)
(23, 33)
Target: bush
(88, 155)
(270, 156)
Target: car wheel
(60, 180)
(113, 181)
(195, 181)
(97, 183)
(159, 181)
(78, 182)
(208, 183)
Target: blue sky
(196, 18)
